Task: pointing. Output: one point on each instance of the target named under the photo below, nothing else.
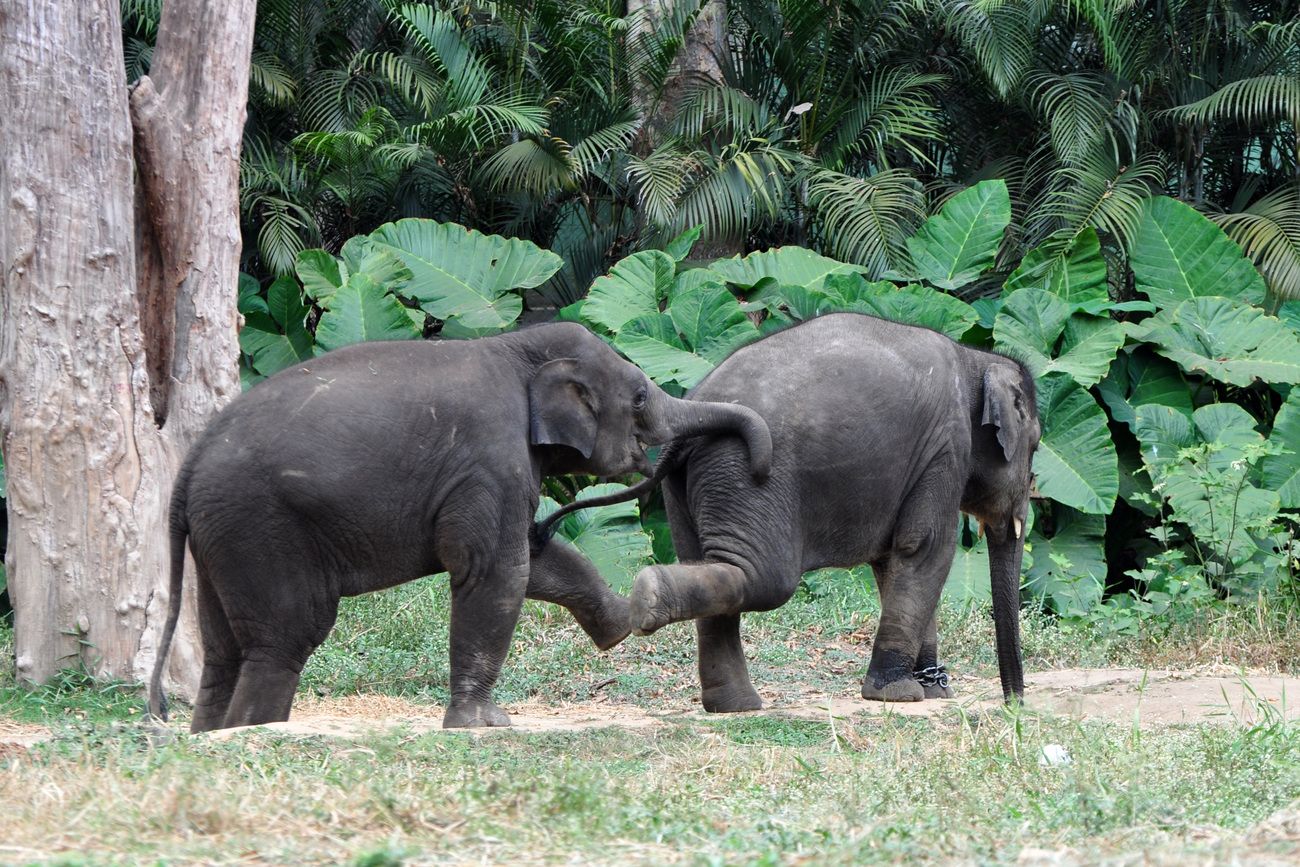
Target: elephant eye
(638, 401)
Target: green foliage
(1225, 340)
(1075, 463)
(1038, 328)
(1179, 254)
(280, 339)
(959, 243)
(610, 537)
(466, 277)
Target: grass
(759, 789)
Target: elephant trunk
(1006, 548)
(676, 419)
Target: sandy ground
(1149, 698)
(1124, 695)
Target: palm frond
(867, 220)
(269, 79)
(998, 34)
(1269, 233)
(1096, 192)
(896, 111)
(530, 166)
(1256, 100)
(659, 178)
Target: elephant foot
(474, 714)
(729, 699)
(905, 689)
(611, 626)
(647, 609)
(938, 692)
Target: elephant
(378, 463)
(882, 432)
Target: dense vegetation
(1108, 190)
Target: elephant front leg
(559, 574)
(724, 677)
(485, 607)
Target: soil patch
(1124, 695)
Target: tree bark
(105, 379)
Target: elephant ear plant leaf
(1281, 471)
(1178, 254)
(1141, 377)
(464, 277)
(282, 339)
(783, 266)
(1075, 463)
(361, 310)
(636, 286)
(1225, 340)
(610, 537)
(681, 345)
(1039, 328)
(1069, 563)
(960, 242)
(1074, 271)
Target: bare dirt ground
(1124, 695)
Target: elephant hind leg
(559, 574)
(221, 661)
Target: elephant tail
(669, 459)
(179, 531)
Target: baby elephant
(382, 462)
(882, 433)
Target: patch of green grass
(731, 790)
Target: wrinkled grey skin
(382, 462)
(881, 433)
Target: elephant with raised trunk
(382, 462)
(882, 433)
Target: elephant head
(595, 413)
(1004, 435)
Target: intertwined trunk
(118, 336)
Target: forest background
(1106, 190)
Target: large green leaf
(1178, 254)
(634, 287)
(1141, 377)
(1075, 463)
(291, 343)
(711, 322)
(610, 537)
(463, 275)
(1281, 472)
(912, 304)
(1225, 340)
(1032, 322)
(1074, 271)
(968, 579)
(959, 243)
(1069, 566)
(653, 344)
(680, 247)
(322, 274)
(788, 266)
(361, 310)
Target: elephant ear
(1006, 407)
(559, 407)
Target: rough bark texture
(89, 469)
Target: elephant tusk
(1019, 525)
(981, 533)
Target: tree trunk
(696, 61)
(106, 379)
